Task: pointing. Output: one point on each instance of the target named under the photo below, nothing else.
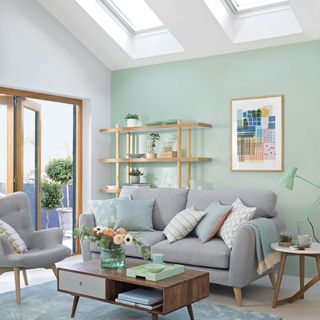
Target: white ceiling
(190, 22)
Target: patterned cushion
(239, 215)
(104, 212)
(13, 237)
(182, 224)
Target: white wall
(38, 54)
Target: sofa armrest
(243, 259)
(86, 220)
(46, 238)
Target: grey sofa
(235, 268)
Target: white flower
(128, 239)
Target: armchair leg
(17, 282)
(238, 296)
(272, 279)
(25, 278)
(55, 271)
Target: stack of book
(143, 298)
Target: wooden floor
(256, 297)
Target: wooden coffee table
(88, 280)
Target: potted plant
(61, 171)
(50, 197)
(132, 119)
(285, 239)
(153, 138)
(110, 241)
(135, 174)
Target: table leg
(190, 311)
(74, 306)
(279, 279)
(301, 273)
(154, 316)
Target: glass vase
(112, 258)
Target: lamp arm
(308, 181)
(311, 210)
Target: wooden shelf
(107, 190)
(165, 127)
(155, 160)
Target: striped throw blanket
(266, 234)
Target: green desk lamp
(287, 181)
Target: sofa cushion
(182, 224)
(263, 200)
(134, 215)
(191, 251)
(148, 238)
(168, 202)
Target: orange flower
(118, 239)
(122, 231)
(108, 232)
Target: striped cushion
(182, 224)
(13, 237)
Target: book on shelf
(144, 306)
(142, 296)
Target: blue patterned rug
(43, 302)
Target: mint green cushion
(104, 212)
(211, 223)
(134, 215)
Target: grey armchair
(45, 247)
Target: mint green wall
(201, 90)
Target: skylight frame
(112, 9)
(236, 9)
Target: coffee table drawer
(82, 284)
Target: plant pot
(135, 179)
(284, 244)
(151, 155)
(65, 220)
(132, 122)
(113, 258)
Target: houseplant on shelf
(135, 174)
(111, 243)
(132, 119)
(50, 197)
(61, 171)
(153, 138)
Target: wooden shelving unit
(128, 131)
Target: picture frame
(256, 134)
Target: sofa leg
(55, 271)
(17, 283)
(272, 279)
(25, 278)
(238, 296)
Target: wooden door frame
(79, 131)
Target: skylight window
(238, 6)
(135, 16)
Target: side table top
(313, 250)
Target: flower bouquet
(111, 243)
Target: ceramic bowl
(154, 268)
(136, 155)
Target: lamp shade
(287, 180)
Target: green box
(169, 270)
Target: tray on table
(169, 270)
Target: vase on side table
(112, 258)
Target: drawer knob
(80, 284)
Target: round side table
(313, 251)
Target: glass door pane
(3, 146)
(29, 160)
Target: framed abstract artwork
(257, 134)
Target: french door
(20, 154)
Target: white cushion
(182, 224)
(13, 237)
(239, 215)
